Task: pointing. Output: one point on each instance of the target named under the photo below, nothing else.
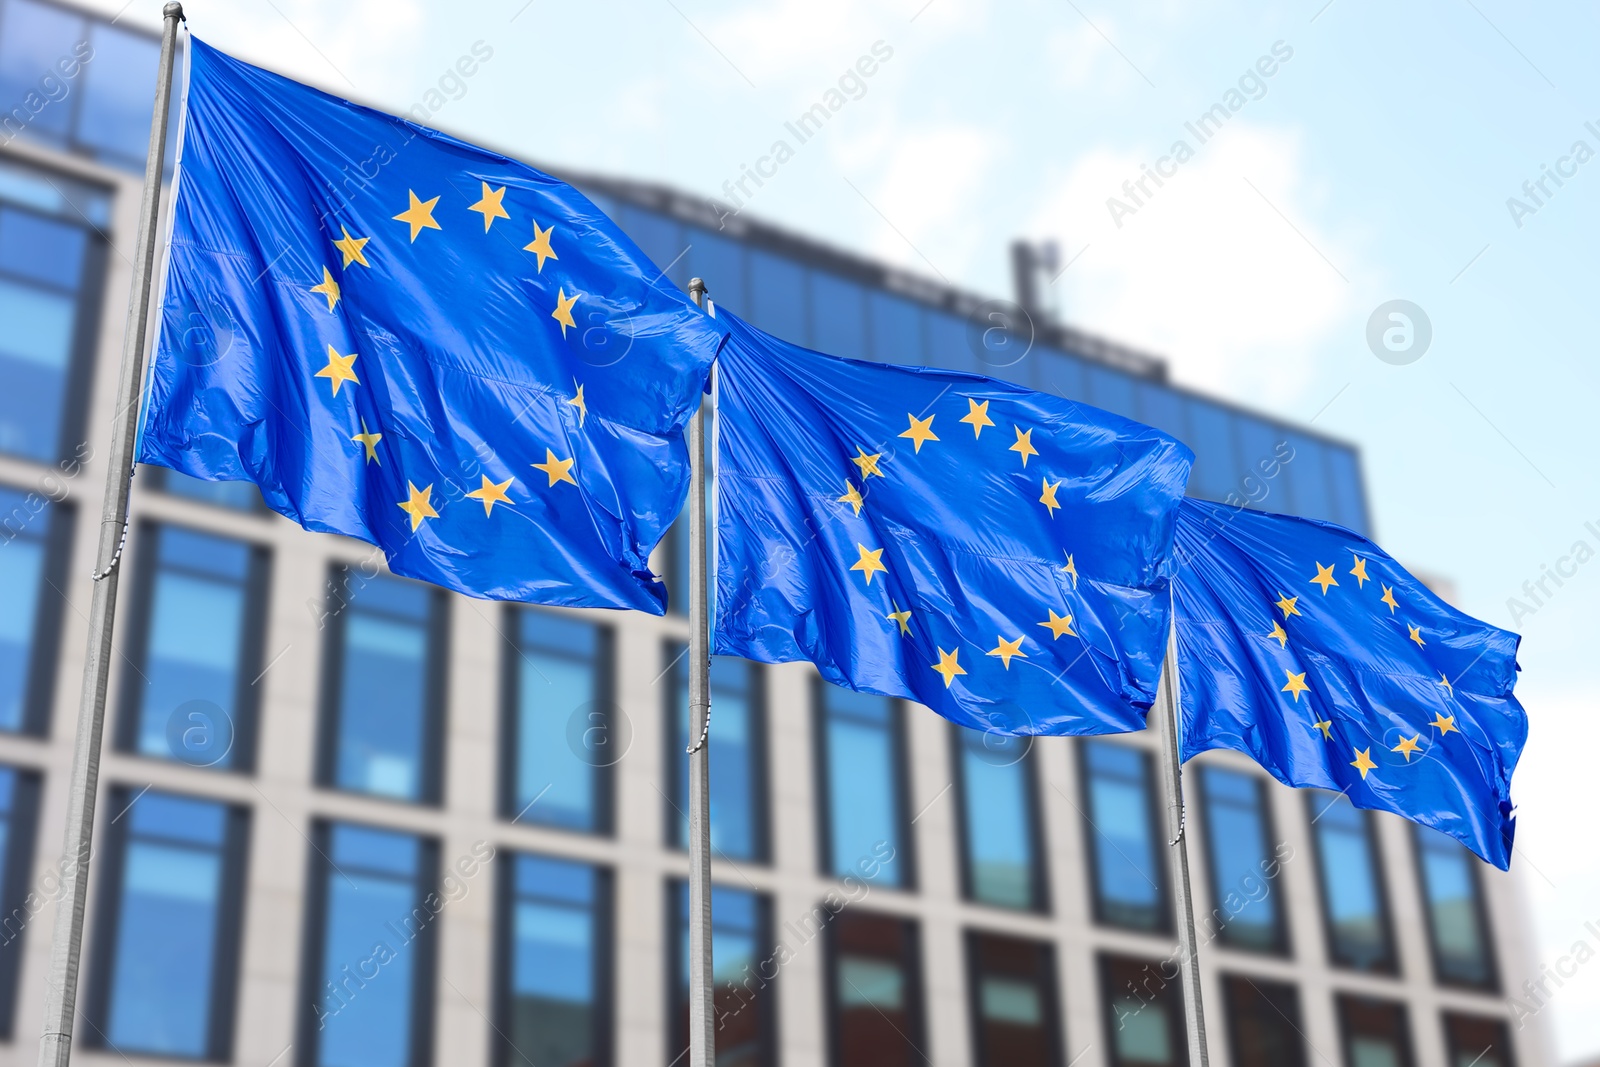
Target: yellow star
(329, 288)
(1388, 598)
(540, 246)
(1415, 633)
(490, 206)
(977, 416)
(1024, 445)
(868, 464)
(1006, 649)
(338, 370)
(1444, 724)
(1286, 605)
(1363, 761)
(350, 248)
(948, 666)
(558, 470)
(563, 311)
(1360, 571)
(1324, 578)
(870, 563)
(1446, 683)
(492, 493)
(1280, 634)
(921, 430)
(1407, 746)
(1071, 567)
(419, 216)
(418, 506)
(579, 403)
(901, 617)
(1295, 685)
(369, 441)
(1048, 497)
(1326, 727)
(852, 496)
(1059, 624)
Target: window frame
(1480, 914)
(911, 970)
(1039, 883)
(765, 935)
(905, 848)
(1165, 907)
(1227, 980)
(314, 937)
(436, 671)
(38, 694)
(501, 1051)
(22, 834)
(256, 587)
(1171, 991)
(603, 782)
(1448, 1020)
(1344, 1002)
(1281, 946)
(1049, 983)
(222, 1012)
(1391, 964)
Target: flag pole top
(697, 286)
(173, 11)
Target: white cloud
(927, 183)
(1205, 271)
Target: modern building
(347, 819)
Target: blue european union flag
(999, 555)
(1309, 648)
(422, 344)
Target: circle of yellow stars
(418, 216)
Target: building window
(240, 496)
(1129, 878)
(1376, 1033)
(1456, 920)
(874, 992)
(1477, 1042)
(35, 536)
(1355, 911)
(188, 693)
(738, 756)
(861, 785)
(742, 971)
(383, 695)
(370, 947)
(19, 809)
(554, 964)
(562, 733)
(999, 819)
(1013, 1002)
(1144, 1014)
(168, 927)
(1243, 861)
(1263, 1022)
(51, 270)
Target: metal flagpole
(61, 983)
(702, 1014)
(1167, 716)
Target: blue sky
(1375, 163)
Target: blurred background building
(347, 819)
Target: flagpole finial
(173, 11)
(697, 289)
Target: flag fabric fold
(999, 555)
(409, 340)
(1309, 648)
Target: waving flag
(1309, 648)
(999, 555)
(406, 339)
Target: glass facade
(1450, 893)
(861, 786)
(33, 539)
(19, 808)
(1012, 987)
(1355, 911)
(1264, 1025)
(563, 735)
(1242, 860)
(1376, 1032)
(1143, 1014)
(743, 970)
(737, 751)
(999, 819)
(554, 971)
(1128, 876)
(1475, 1041)
(384, 687)
(874, 992)
(169, 927)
